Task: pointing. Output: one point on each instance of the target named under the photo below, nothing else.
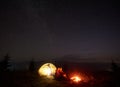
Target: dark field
(92, 78)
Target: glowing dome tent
(47, 69)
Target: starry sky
(55, 28)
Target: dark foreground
(32, 79)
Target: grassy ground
(29, 79)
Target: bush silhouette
(5, 63)
(32, 66)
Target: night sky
(46, 29)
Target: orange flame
(75, 79)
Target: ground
(32, 79)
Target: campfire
(75, 79)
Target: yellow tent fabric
(47, 69)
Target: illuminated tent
(47, 69)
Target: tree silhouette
(115, 74)
(32, 66)
(5, 63)
(114, 66)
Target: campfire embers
(75, 79)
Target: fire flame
(75, 79)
